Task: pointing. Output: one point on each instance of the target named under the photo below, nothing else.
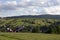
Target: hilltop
(37, 16)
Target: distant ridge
(37, 16)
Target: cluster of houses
(43, 29)
(7, 28)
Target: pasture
(29, 36)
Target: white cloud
(13, 5)
(55, 10)
(10, 3)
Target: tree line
(31, 25)
(53, 28)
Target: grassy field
(28, 36)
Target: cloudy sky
(29, 7)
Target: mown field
(28, 36)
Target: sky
(29, 7)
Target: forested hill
(31, 24)
(37, 16)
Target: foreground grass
(28, 36)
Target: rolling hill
(37, 16)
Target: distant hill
(37, 16)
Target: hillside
(37, 16)
(30, 24)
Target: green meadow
(29, 36)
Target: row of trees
(53, 28)
(30, 25)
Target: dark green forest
(32, 25)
